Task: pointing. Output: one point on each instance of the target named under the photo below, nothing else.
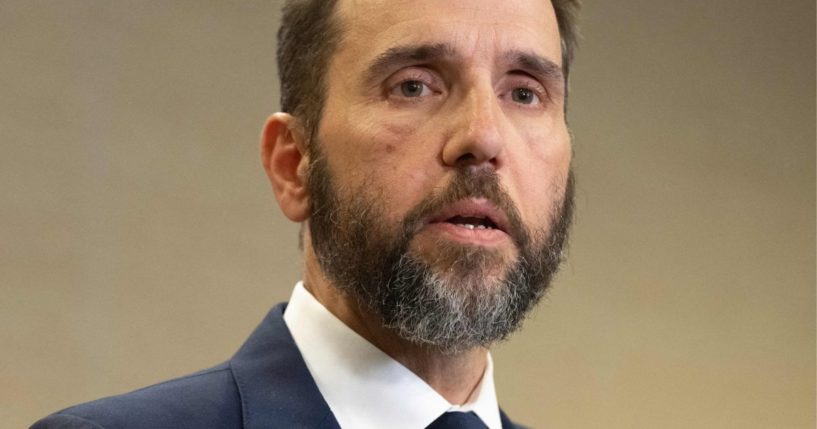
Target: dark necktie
(457, 420)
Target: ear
(283, 153)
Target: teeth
(471, 226)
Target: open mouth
(472, 222)
(476, 214)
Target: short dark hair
(309, 35)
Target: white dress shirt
(364, 387)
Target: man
(424, 149)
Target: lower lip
(480, 237)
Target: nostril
(466, 158)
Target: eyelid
(414, 73)
(524, 80)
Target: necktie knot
(457, 420)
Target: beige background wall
(139, 239)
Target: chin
(467, 265)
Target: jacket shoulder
(208, 398)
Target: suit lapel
(274, 383)
(276, 388)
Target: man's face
(443, 157)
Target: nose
(476, 139)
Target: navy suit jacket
(266, 385)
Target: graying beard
(405, 292)
(452, 317)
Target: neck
(453, 376)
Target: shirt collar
(364, 387)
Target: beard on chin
(462, 297)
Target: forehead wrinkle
(376, 43)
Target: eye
(524, 96)
(412, 89)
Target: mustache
(469, 182)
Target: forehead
(475, 28)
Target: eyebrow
(540, 67)
(400, 55)
(537, 65)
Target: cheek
(372, 135)
(541, 175)
(405, 178)
(390, 162)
